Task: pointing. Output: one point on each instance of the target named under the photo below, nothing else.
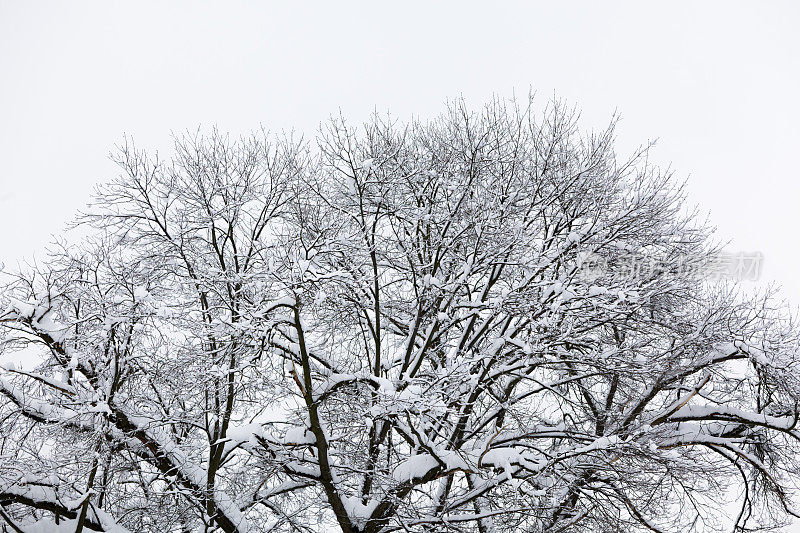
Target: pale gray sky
(716, 82)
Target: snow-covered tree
(394, 329)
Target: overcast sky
(717, 83)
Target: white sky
(716, 82)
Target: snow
(229, 508)
(239, 434)
(333, 380)
(194, 473)
(299, 435)
(23, 309)
(412, 393)
(357, 510)
(553, 289)
(141, 293)
(34, 405)
(46, 324)
(118, 299)
(594, 290)
(500, 456)
(496, 345)
(415, 466)
(74, 503)
(46, 494)
(707, 411)
(600, 443)
(566, 295)
(452, 460)
(385, 386)
(431, 281)
(727, 348)
(350, 184)
(756, 354)
(46, 525)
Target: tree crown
(484, 322)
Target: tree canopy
(392, 328)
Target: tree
(394, 329)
